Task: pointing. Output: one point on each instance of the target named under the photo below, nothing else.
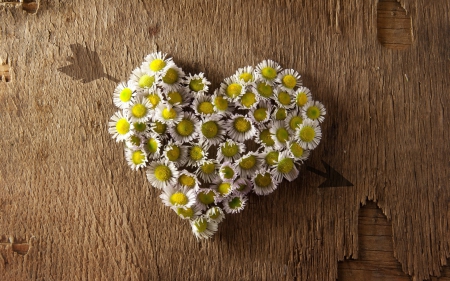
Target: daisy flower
(205, 197)
(196, 154)
(289, 79)
(179, 98)
(120, 126)
(240, 128)
(156, 63)
(203, 228)
(136, 158)
(279, 114)
(265, 91)
(230, 150)
(142, 79)
(248, 164)
(141, 128)
(220, 103)
(162, 173)
(190, 213)
(302, 96)
(294, 120)
(280, 134)
(153, 146)
(123, 94)
(168, 114)
(242, 186)
(227, 171)
(159, 129)
(284, 99)
(207, 170)
(222, 188)
(154, 97)
(211, 130)
(139, 110)
(234, 204)
(297, 152)
(270, 157)
(184, 130)
(189, 180)
(135, 141)
(197, 84)
(264, 182)
(232, 89)
(264, 137)
(245, 75)
(176, 153)
(261, 113)
(248, 100)
(314, 110)
(285, 168)
(178, 197)
(267, 71)
(203, 105)
(308, 134)
(215, 214)
(172, 78)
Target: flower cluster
(196, 147)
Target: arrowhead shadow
(333, 177)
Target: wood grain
(67, 191)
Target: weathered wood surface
(71, 203)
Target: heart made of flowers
(196, 146)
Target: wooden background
(71, 209)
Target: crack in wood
(394, 25)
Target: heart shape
(196, 146)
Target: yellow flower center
(241, 187)
(135, 140)
(296, 150)
(122, 126)
(196, 85)
(163, 173)
(171, 76)
(175, 97)
(206, 197)
(302, 99)
(248, 99)
(206, 107)
(233, 90)
(178, 199)
(146, 81)
(187, 180)
(248, 162)
(210, 129)
(241, 125)
(138, 110)
(235, 203)
(282, 135)
(285, 165)
(313, 112)
(229, 150)
(264, 90)
(245, 76)
(284, 98)
(266, 137)
(185, 127)
(152, 145)
(201, 225)
(281, 114)
(137, 157)
(208, 168)
(295, 122)
(214, 213)
(169, 113)
(154, 99)
(157, 65)
(227, 172)
(139, 126)
(160, 128)
(185, 213)
(307, 134)
(221, 103)
(272, 158)
(269, 73)
(125, 95)
(289, 81)
(263, 180)
(174, 153)
(196, 153)
(224, 188)
(260, 114)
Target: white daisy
(172, 78)
(249, 163)
(263, 90)
(308, 134)
(160, 129)
(211, 130)
(142, 79)
(141, 128)
(174, 197)
(189, 180)
(207, 170)
(285, 167)
(242, 186)
(156, 63)
(222, 188)
(314, 110)
(232, 88)
(139, 110)
(203, 105)
(234, 204)
(302, 95)
(249, 99)
(176, 153)
(289, 79)
(270, 157)
(284, 99)
(261, 113)
(168, 114)
(228, 172)
(264, 137)
(293, 120)
(203, 228)
(184, 130)
(280, 134)
(245, 75)
(152, 146)
(264, 182)
(230, 150)
(215, 214)
(220, 103)
(205, 197)
(180, 97)
(267, 71)
(297, 152)
(279, 114)
(197, 84)
(153, 95)
(196, 154)
(120, 126)
(136, 158)
(162, 173)
(240, 128)
(135, 141)
(123, 94)
(190, 213)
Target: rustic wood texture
(67, 193)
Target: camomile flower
(142, 79)
(120, 126)
(270, 157)
(211, 130)
(227, 171)
(261, 113)
(294, 120)
(141, 128)
(123, 94)
(248, 164)
(154, 97)
(308, 134)
(302, 95)
(232, 88)
(240, 128)
(242, 186)
(230, 150)
(152, 146)
(188, 180)
(190, 213)
(222, 188)
(156, 63)
(184, 130)
(297, 152)
(175, 197)
(203, 105)
(289, 79)
(234, 204)
(172, 78)
(136, 158)
(197, 84)
(176, 153)
(220, 103)
(139, 110)
(280, 134)
(215, 214)
(203, 228)
(284, 99)
(159, 128)
(168, 114)
(207, 170)
(264, 137)
(267, 71)
(245, 75)
(135, 141)
(279, 114)
(264, 182)
(179, 98)
(205, 197)
(248, 100)
(264, 90)
(196, 154)
(314, 110)
(285, 168)
(162, 173)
